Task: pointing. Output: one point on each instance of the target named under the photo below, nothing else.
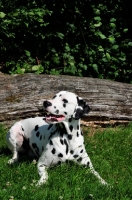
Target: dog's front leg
(85, 160)
(42, 170)
(92, 170)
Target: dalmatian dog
(56, 137)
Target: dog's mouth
(49, 117)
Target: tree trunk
(22, 96)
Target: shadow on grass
(23, 157)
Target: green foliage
(81, 38)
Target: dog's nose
(46, 104)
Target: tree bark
(22, 96)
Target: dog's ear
(81, 109)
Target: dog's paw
(41, 182)
(12, 161)
(103, 182)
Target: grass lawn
(111, 153)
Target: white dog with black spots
(56, 137)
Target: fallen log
(22, 96)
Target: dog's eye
(54, 97)
(64, 100)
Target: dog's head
(63, 106)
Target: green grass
(111, 153)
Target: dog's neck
(70, 127)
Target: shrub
(81, 38)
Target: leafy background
(82, 38)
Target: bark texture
(22, 96)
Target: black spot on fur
(70, 119)
(77, 134)
(61, 141)
(72, 152)
(53, 151)
(65, 113)
(65, 142)
(60, 95)
(42, 165)
(59, 162)
(25, 144)
(77, 127)
(36, 127)
(70, 137)
(75, 156)
(51, 143)
(64, 105)
(55, 107)
(54, 97)
(87, 164)
(42, 148)
(49, 127)
(37, 134)
(65, 100)
(60, 155)
(52, 133)
(71, 128)
(22, 129)
(82, 109)
(40, 137)
(61, 129)
(81, 133)
(35, 148)
(79, 159)
(81, 151)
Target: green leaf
(95, 67)
(104, 60)
(125, 30)
(112, 25)
(111, 39)
(115, 46)
(67, 47)
(108, 56)
(117, 34)
(35, 67)
(98, 24)
(100, 48)
(70, 70)
(112, 20)
(60, 35)
(130, 43)
(2, 15)
(30, 13)
(97, 18)
(54, 72)
(122, 58)
(102, 36)
(56, 60)
(27, 53)
(15, 14)
(96, 11)
(23, 70)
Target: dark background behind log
(22, 96)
